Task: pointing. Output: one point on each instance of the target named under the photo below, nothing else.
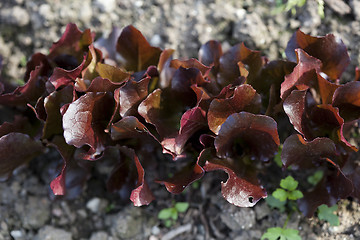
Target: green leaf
(275, 203)
(174, 214)
(284, 234)
(316, 177)
(289, 183)
(272, 233)
(168, 223)
(291, 234)
(280, 194)
(166, 213)
(327, 213)
(295, 195)
(182, 206)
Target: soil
(28, 211)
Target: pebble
(106, 5)
(17, 234)
(93, 205)
(15, 16)
(99, 236)
(51, 233)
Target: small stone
(155, 230)
(51, 233)
(16, 16)
(17, 234)
(106, 5)
(99, 236)
(238, 218)
(93, 205)
(36, 212)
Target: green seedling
(170, 215)
(276, 233)
(316, 177)
(287, 190)
(327, 214)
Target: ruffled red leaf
(142, 194)
(135, 50)
(72, 43)
(72, 176)
(329, 49)
(163, 110)
(129, 128)
(272, 73)
(52, 105)
(85, 120)
(312, 153)
(191, 121)
(183, 178)
(347, 99)
(29, 93)
(191, 63)
(127, 169)
(20, 124)
(131, 95)
(210, 53)
(229, 69)
(16, 149)
(244, 98)
(256, 135)
(303, 73)
(62, 77)
(329, 191)
(242, 188)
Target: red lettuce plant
(118, 101)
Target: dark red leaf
(242, 188)
(191, 63)
(72, 43)
(100, 84)
(20, 124)
(127, 169)
(210, 53)
(131, 95)
(347, 99)
(85, 120)
(229, 69)
(256, 135)
(142, 194)
(52, 105)
(36, 60)
(303, 74)
(329, 49)
(272, 73)
(161, 109)
(181, 83)
(16, 149)
(30, 92)
(192, 121)
(129, 128)
(72, 176)
(296, 109)
(329, 192)
(244, 98)
(135, 50)
(183, 178)
(62, 77)
(312, 153)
